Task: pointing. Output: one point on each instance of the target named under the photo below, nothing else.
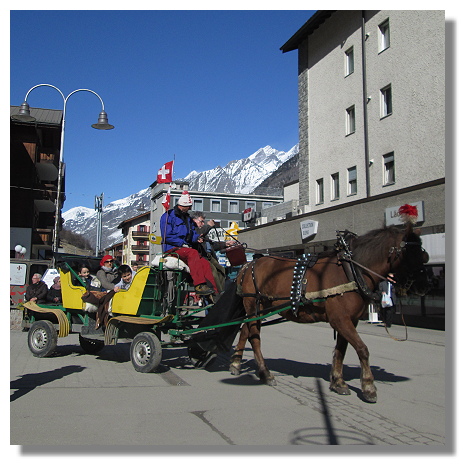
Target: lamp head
(102, 122)
(24, 114)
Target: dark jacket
(38, 290)
(383, 287)
(177, 229)
(53, 294)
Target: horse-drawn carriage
(157, 310)
(334, 287)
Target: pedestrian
(179, 236)
(37, 291)
(387, 287)
(107, 274)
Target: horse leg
(255, 340)
(347, 329)
(236, 359)
(337, 383)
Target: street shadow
(329, 434)
(313, 370)
(29, 382)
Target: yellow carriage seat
(71, 294)
(128, 301)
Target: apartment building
(371, 129)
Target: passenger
(37, 291)
(91, 282)
(127, 275)
(54, 295)
(209, 247)
(179, 236)
(107, 274)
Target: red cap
(105, 258)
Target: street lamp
(24, 115)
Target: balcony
(47, 165)
(140, 249)
(140, 235)
(42, 237)
(44, 199)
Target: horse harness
(299, 296)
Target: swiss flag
(166, 200)
(165, 173)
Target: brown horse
(336, 289)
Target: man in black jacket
(37, 291)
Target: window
(320, 191)
(216, 205)
(389, 169)
(384, 36)
(251, 205)
(335, 186)
(197, 205)
(349, 61)
(267, 204)
(350, 120)
(233, 207)
(386, 101)
(352, 181)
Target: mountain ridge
(236, 177)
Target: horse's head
(411, 273)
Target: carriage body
(153, 313)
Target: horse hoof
(234, 370)
(370, 397)
(344, 390)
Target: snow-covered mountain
(237, 177)
(241, 176)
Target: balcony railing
(140, 248)
(140, 234)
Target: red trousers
(200, 267)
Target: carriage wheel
(146, 352)
(91, 346)
(42, 338)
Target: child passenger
(126, 274)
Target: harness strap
(298, 282)
(337, 290)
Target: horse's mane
(373, 247)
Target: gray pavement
(74, 398)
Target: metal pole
(99, 209)
(55, 243)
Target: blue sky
(203, 86)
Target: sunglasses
(108, 262)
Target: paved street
(74, 398)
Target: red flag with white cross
(165, 173)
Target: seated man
(179, 236)
(37, 290)
(209, 247)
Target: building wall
(414, 65)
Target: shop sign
(392, 217)
(309, 228)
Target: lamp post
(24, 115)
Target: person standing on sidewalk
(387, 287)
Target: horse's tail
(227, 309)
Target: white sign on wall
(308, 228)
(392, 217)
